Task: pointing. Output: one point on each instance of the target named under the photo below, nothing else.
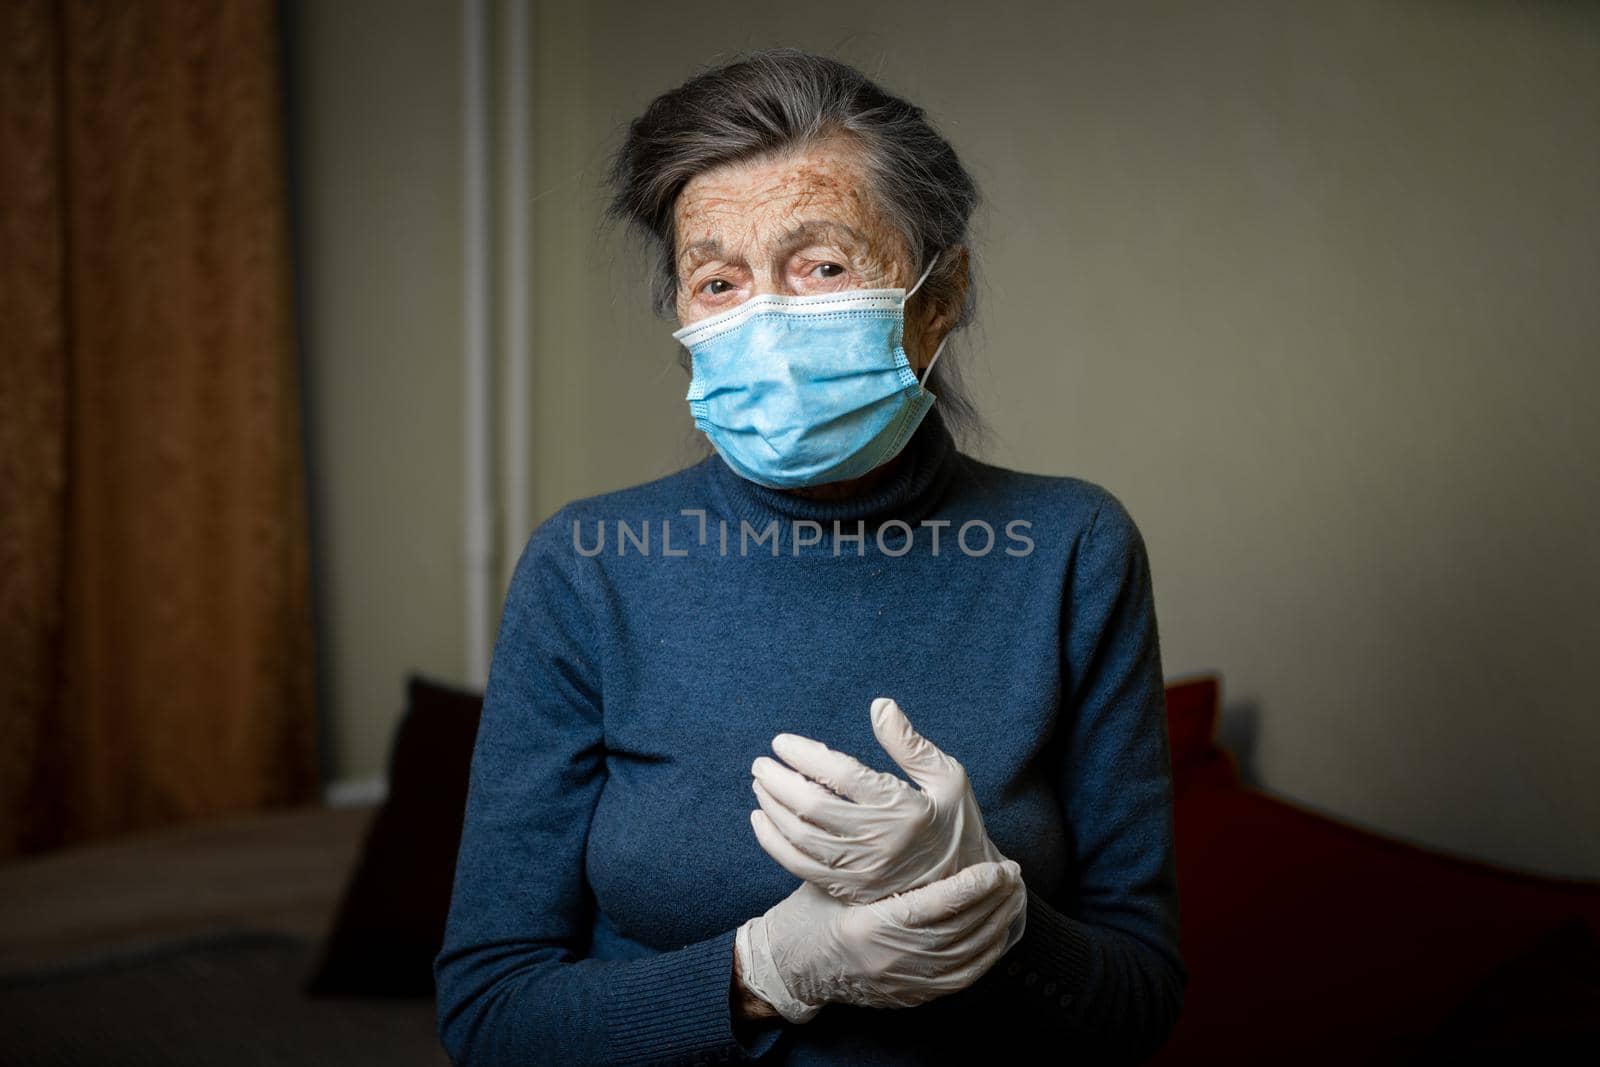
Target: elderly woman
(838, 746)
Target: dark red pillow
(1194, 706)
(390, 921)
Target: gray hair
(782, 99)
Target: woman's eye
(706, 288)
(838, 270)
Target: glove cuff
(759, 973)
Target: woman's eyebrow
(702, 250)
(803, 233)
(810, 231)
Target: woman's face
(797, 224)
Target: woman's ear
(939, 318)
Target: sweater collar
(908, 492)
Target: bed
(194, 945)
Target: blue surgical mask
(801, 390)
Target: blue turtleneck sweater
(653, 641)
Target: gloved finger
(981, 947)
(1018, 927)
(808, 799)
(937, 961)
(839, 771)
(963, 921)
(791, 859)
(925, 762)
(955, 903)
(813, 842)
(994, 938)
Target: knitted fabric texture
(655, 639)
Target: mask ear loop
(922, 279)
(926, 370)
(922, 381)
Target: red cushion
(1194, 705)
(1310, 938)
(390, 921)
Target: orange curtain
(156, 651)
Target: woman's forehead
(822, 191)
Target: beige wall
(1313, 293)
(377, 142)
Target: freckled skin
(749, 206)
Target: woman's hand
(874, 834)
(811, 949)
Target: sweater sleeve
(1104, 970)
(514, 984)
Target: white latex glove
(863, 835)
(874, 834)
(811, 948)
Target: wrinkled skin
(801, 223)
